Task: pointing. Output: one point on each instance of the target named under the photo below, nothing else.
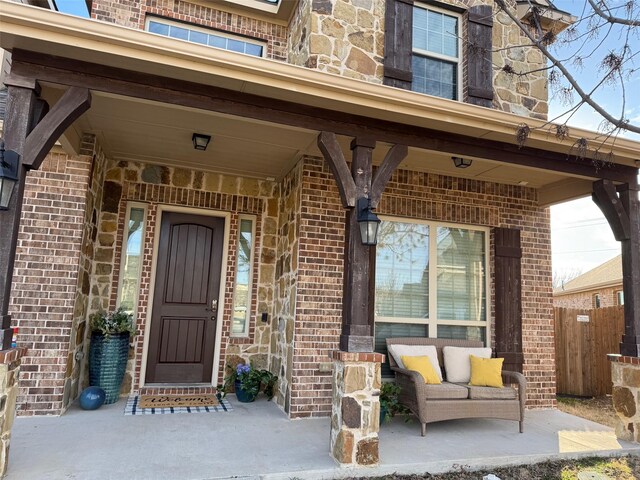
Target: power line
(585, 251)
(568, 227)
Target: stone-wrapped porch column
(9, 371)
(355, 415)
(625, 375)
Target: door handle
(213, 309)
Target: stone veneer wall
(608, 298)
(9, 379)
(625, 375)
(133, 13)
(160, 185)
(527, 94)
(344, 37)
(286, 280)
(420, 196)
(49, 290)
(78, 344)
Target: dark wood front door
(183, 319)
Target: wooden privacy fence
(583, 340)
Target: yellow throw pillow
(424, 367)
(486, 372)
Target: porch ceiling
(146, 131)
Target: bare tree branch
(611, 18)
(612, 65)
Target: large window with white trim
(132, 253)
(431, 281)
(205, 36)
(436, 62)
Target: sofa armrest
(405, 375)
(412, 388)
(517, 378)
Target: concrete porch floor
(258, 441)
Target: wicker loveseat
(433, 403)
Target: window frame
(437, 56)
(247, 319)
(619, 297)
(432, 322)
(596, 301)
(123, 253)
(206, 30)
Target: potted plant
(389, 402)
(247, 382)
(109, 350)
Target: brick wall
(608, 298)
(48, 295)
(133, 13)
(421, 196)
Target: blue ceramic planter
(242, 395)
(108, 362)
(92, 398)
(383, 413)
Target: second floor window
(436, 53)
(203, 36)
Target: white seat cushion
(457, 364)
(398, 351)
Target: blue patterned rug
(132, 408)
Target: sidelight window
(132, 253)
(244, 273)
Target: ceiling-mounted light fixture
(200, 141)
(460, 162)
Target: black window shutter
(398, 43)
(479, 64)
(508, 308)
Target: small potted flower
(109, 350)
(247, 382)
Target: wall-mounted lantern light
(368, 221)
(8, 175)
(460, 162)
(200, 141)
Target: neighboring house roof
(605, 275)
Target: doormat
(133, 407)
(165, 401)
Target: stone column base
(9, 371)
(355, 415)
(625, 375)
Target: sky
(73, 7)
(581, 238)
